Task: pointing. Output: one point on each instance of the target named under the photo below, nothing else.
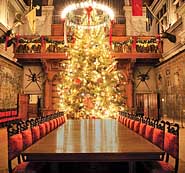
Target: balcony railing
(47, 47)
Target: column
(130, 86)
(129, 91)
(48, 87)
(48, 96)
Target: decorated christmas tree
(91, 85)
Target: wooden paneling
(32, 110)
(55, 95)
(57, 29)
(146, 104)
(23, 106)
(118, 30)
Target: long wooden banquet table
(88, 140)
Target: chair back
(47, 125)
(27, 138)
(42, 130)
(35, 133)
(131, 126)
(149, 132)
(142, 129)
(136, 126)
(171, 143)
(158, 134)
(15, 145)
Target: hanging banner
(136, 7)
(31, 17)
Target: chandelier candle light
(71, 16)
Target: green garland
(12, 39)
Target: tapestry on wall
(10, 86)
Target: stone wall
(171, 87)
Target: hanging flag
(149, 19)
(137, 7)
(31, 17)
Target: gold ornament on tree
(90, 74)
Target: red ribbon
(42, 41)
(89, 9)
(158, 41)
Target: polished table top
(92, 140)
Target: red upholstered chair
(27, 138)
(149, 132)
(47, 125)
(136, 126)
(131, 126)
(15, 147)
(125, 121)
(142, 129)
(63, 119)
(171, 148)
(128, 123)
(42, 130)
(121, 119)
(58, 122)
(35, 133)
(52, 125)
(158, 137)
(20, 138)
(55, 123)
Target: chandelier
(73, 16)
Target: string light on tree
(89, 85)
